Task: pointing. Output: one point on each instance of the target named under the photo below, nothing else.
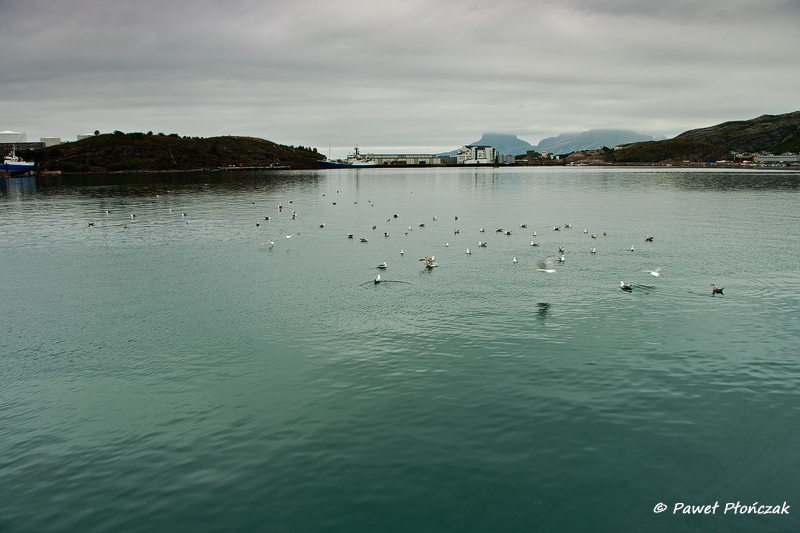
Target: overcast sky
(408, 75)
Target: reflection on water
(16, 187)
(542, 310)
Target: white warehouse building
(405, 159)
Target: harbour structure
(769, 159)
(14, 140)
(477, 155)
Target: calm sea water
(164, 372)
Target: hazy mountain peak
(504, 143)
(589, 140)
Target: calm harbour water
(181, 374)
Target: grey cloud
(393, 73)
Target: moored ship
(15, 166)
(354, 160)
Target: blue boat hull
(17, 169)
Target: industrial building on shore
(471, 155)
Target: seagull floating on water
(429, 261)
(382, 265)
(514, 260)
(378, 279)
(716, 290)
(625, 286)
(594, 250)
(468, 252)
(648, 238)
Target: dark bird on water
(716, 290)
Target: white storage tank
(10, 137)
(50, 141)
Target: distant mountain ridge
(565, 143)
(590, 140)
(505, 144)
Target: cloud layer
(412, 75)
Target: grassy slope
(764, 133)
(138, 151)
(767, 133)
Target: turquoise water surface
(174, 371)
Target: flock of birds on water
(429, 262)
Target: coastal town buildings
(477, 155)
